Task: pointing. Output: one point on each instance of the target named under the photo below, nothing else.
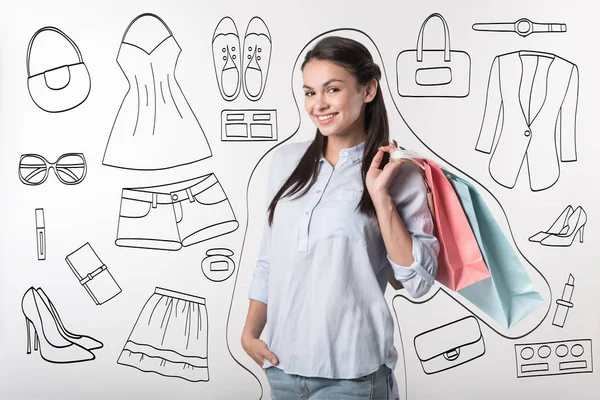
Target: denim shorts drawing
(374, 386)
(167, 217)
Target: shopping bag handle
(446, 38)
(413, 158)
(410, 156)
(50, 28)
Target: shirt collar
(352, 153)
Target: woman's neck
(335, 143)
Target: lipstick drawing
(40, 233)
(564, 303)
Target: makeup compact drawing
(554, 358)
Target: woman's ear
(371, 90)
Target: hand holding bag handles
(433, 73)
(460, 262)
(61, 88)
(509, 296)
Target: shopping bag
(508, 295)
(460, 262)
(433, 73)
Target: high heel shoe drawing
(556, 228)
(86, 342)
(574, 225)
(47, 338)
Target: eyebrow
(325, 84)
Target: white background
(445, 129)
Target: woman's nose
(321, 103)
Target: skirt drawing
(170, 337)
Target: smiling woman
(341, 217)
(334, 96)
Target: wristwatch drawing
(523, 27)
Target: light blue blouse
(323, 267)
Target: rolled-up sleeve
(259, 286)
(410, 198)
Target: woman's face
(333, 98)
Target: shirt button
(175, 197)
(527, 133)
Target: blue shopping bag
(508, 295)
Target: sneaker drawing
(226, 58)
(256, 58)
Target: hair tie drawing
(218, 265)
(56, 81)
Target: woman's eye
(308, 93)
(332, 90)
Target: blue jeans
(375, 386)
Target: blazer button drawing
(529, 91)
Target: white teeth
(325, 117)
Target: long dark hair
(356, 59)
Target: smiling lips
(325, 119)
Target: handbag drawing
(62, 87)
(92, 274)
(449, 345)
(433, 73)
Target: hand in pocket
(258, 351)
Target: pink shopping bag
(460, 262)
